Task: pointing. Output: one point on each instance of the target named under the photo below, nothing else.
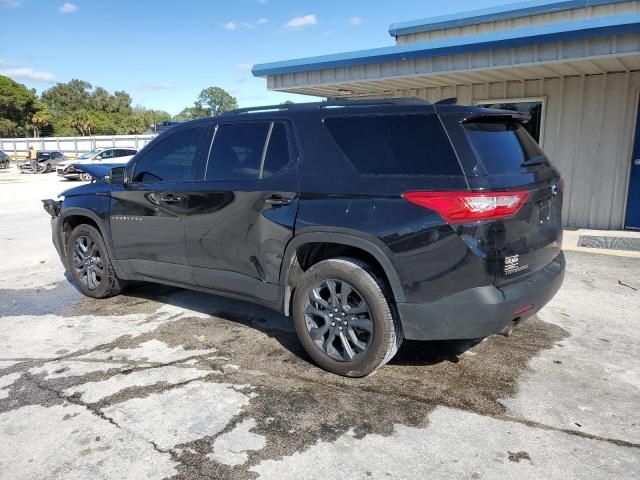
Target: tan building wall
(523, 22)
(588, 132)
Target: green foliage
(77, 108)
(17, 105)
(191, 113)
(215, 100)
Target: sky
(164, 52)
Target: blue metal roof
(503, 12)
(576, 30)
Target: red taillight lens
(464, 207)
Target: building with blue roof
(574, 65)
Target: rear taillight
(465, 207)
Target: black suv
(366, 221)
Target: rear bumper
(483, 311)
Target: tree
(17, 105)
(191, 113)
(82, 122)
(215, 100)
(66, 98)
(39, 120)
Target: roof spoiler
(497, 116)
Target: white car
(115, 155)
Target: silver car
(115, 155)
(47, 162)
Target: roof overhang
(539, 35)
(597, 46)
(493, 14)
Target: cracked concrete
(166, 383)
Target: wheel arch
(74, 216)
(291, 268)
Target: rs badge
(512, 265)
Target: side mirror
(118, 176)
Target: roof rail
(448, 101)
(340, 102)
(260, 109)
(332, 102)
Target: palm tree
(39, 120)
(82, 122)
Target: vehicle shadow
(281, 328)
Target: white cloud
(235, 26)
(11, 3)
(68, 7)
(300, 22)
(230, 26)
(244, 67)
(27, 73)
(355, 21)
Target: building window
(530, 106)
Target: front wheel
(344, 319)
(89, 263)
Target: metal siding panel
(530, 20)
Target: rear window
(503, 147)
(395, 144)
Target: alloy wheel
(338, 320)
(87, 262)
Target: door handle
(278, 200)
(169, 198)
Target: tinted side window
(502, 147)
(237, 151)
(172, 159)
(106, 154)
(124, 153)
(277, 156)
(395, 144)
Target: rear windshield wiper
(537, 160)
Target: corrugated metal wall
(588, 133)
(526, 21)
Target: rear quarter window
(395, 144)
(503, 147)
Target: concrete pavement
(167, 383)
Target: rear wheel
(343, 318)
(86, 177)
(89, 263)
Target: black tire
(85, 177)
(386, 336)
(108, 284)
(47, 168)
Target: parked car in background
(162, 126)
(366, 221)
(4, 160)
(72, 169)
(47, 162)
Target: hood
(97, 170)
(93, 188)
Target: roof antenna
(448, 101)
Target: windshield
(89, 154)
